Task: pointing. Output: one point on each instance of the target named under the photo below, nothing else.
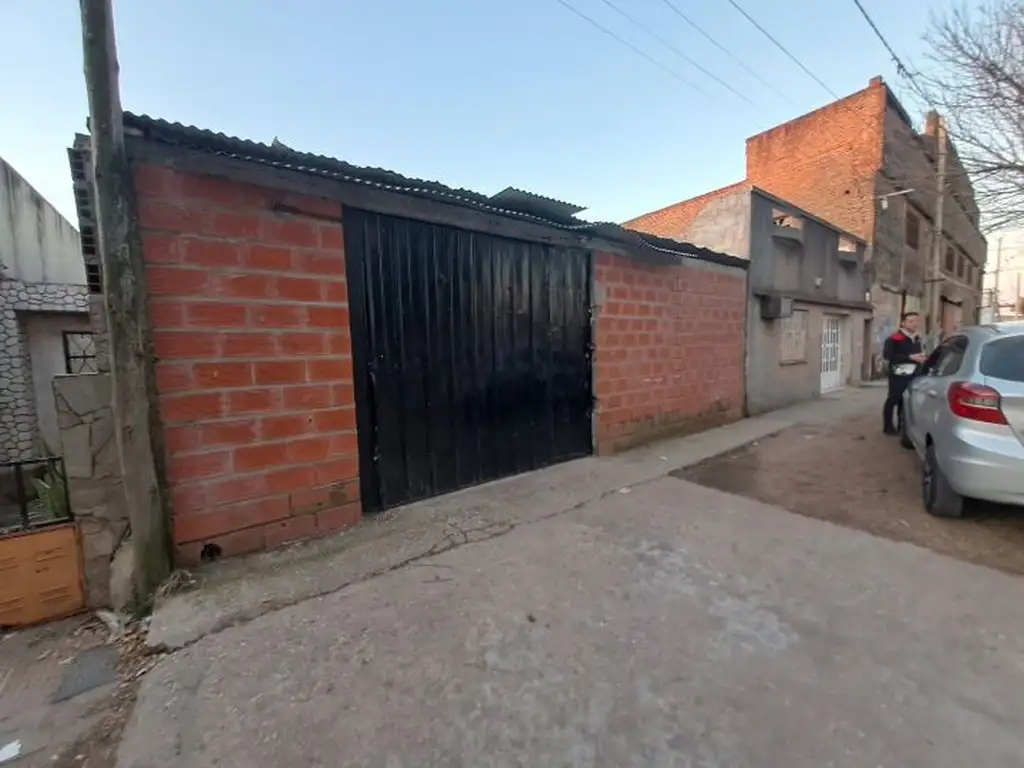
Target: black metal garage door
(472, 356)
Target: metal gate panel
(472, 355)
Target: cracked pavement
(555, 620)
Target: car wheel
(905, 440)
(938, 495)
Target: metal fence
(33, 494)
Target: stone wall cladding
(19, 429)
(250, 328)
(93, 473)
(669, 349)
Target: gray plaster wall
(723, 224)
(37, 244)
(93, 470)
(811, 271)
(773, 383)
(45, 336)
(19, 421)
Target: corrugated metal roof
(528, 202)
(280, 156)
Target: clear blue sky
(474, 93)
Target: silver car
(964, 415)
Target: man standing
(903, 352)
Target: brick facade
(825, 161)
(250, 328)
(670, 349)
(674, 220)
(836, 163)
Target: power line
(633, 48)
(901, 70)
(678, 52)
(783, 48)
(727, 52)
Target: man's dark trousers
(894, 402)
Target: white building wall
(45, 334)
(41, 271)
(37, 244)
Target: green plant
(51, 493)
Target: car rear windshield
(1004, 359)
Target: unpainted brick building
(840, 162)
(331, 340)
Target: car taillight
(975, 402)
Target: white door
(831, 353)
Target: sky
(480, 94)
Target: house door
(831, 353)
(471, 354)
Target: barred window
(794, 337)
(79, 352)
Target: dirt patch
(849, 473)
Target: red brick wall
(670, 349)
(674, 220)
(825, 161)
(249, 315)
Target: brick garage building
(330, 340)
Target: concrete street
(602, 613)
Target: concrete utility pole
(139, 440)
(934, 292)
(999, 265)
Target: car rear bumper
(982, 465)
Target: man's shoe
(890, 431)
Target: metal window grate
(79, 352)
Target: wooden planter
(40, 575)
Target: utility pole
(999, 267)
(139, 439)
(934, 292)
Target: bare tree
(975, 78)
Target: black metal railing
(33, 494)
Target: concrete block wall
(669, 349)
(250, 328)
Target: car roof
(1010, 328)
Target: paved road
(672, 625)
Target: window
(946, 359)
(79, 352)
(94, 278)
(793, 332)
(954, 357)
(913, 235)
(785, 219)
(961, 265)
(1004, 359)
(950, 264)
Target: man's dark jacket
(897, 350)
